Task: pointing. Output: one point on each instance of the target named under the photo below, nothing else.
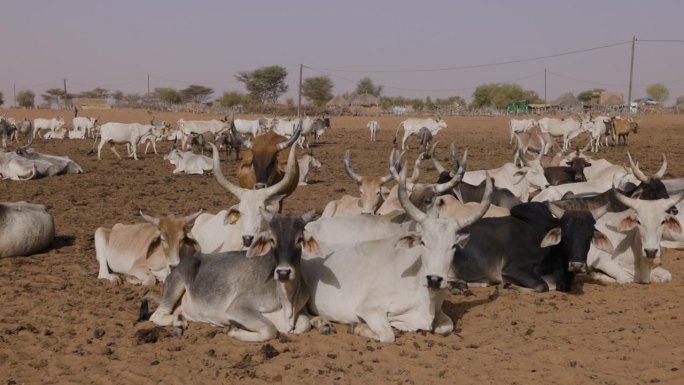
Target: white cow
(519, 126)
(198, 126)
(306, 163)
(46, 124)
(84, 127)
(596, 127)
(374, 127)
(567, 129)
(189, 162)
(15, 167)
(238, 226)
(413, 125)
(251, 127)
(285, 127)
(403, 278)
(143, 252)
(636, 235)
(120, 133)
(26, 229)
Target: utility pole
(544, 85)
(631, 72)
(148, 84)
(299, 99)
(65, 93)
(15, 95)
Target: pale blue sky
(115, 44)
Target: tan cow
(448, 206)
(622, 127)
(144, 252)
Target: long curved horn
(541, 149)
(192, 217)
(288, 178)
(556, 210)
(416, 170)
(282, 145)
(627, 201)
(440, 188)
(635, 169)
(435, 161)
(484, 204)
(599, 211)
(661, 173)
(235, 190)
(455, 163)
(414, 212)
(245, 142)
(348, 168)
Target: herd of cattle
(382, 259)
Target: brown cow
(264, 162)
(622, 127)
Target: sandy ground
(59, 324)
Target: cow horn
(454, 156)
(414, 212)
(440, 188)
(521, 156)
(416, 170)
(192, 217)
(245, 142)
(348, 168)
(635, 169)
(661, 173)
(484, 204)
(282, 145)
(599, 211)
(290, 175)
(235, 190)
(556, 210)
(435, 161)
(541, 149)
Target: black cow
(573, 172)
(515, 249)
(466, 192)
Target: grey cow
(254, 293)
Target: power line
(454, 68)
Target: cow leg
(659, 274)
(135, 150)
(403, 141)
(322, 325)
(377, 324)
(443, 324)
(112, 149)
(174, 288)
(613, 270)
(101, 241)
(526, 277)
(257, 328)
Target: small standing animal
(374, 127)
(306, 163)
(229, 142)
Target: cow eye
(638, 222)
(422, 243)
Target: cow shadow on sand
(61, 241)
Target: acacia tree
(318, 90)
(233, 98)
(366, 86)
(498, 95)
(26, 99)
(658, 92)
(168, 95)
(196, 93)
(266, 84)
(2, 99)
(54, 95)
(96, 93)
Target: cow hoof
(114, 279)
(352, 328)
(327, 330)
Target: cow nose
(650, 253)
(283, 274)
(366, 213)
(434, 281)
(577, 267)
(259, 186)
(247, 240)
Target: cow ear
(310, 245)
(627, 224)
(154, 243)
(260, 246)
(408, 241)
(672, 224)
(601, 242)
(275, 199)
(232, 216)
(462, 240)
(553, 237)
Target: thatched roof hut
(337, 101)
(363, 100)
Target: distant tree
(658, 92)
(168, 95)
(265, 84)
(450, 101)
(585, 96)
(567, 100)
(366, 86)
(54, 95)
(26, 99)
(197, 94)
(118, 97)
(498, 95)
(232, 99)
(318, 90)
(2, 99)
(680, 101)
(95, 93)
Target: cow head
(173, 235)
(650, 218)
(246, 214)
(286, 238)
(577, 165)
(373, 193)
(437, 237)
(651, 187)
(577, 233)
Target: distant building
(607, 99)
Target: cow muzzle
(651, 253)
(577, 267)
(283, 274)
(247, 240)
(434, 282)
(259, 186)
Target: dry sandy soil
(59, 324)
